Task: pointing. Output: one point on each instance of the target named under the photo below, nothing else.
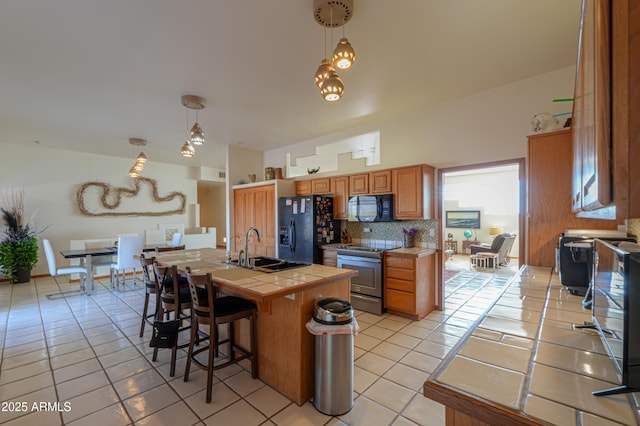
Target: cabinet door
(380, 182)
(244, 215)
(321, 186)
(340, 189)
(359, 184)
(303, 187)
(412, 192)
(268, 222)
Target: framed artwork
(463, 219)
(168, 229)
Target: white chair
(177, 239)
(128, 247)
(54, 271)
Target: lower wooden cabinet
(409, 284)
(330, 257)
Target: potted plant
(19, 245)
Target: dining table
(87, 255)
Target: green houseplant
(19, 245)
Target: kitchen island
(285, 303)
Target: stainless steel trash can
(334, 357)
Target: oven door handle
(343, 257)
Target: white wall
(51, 177)
(487, 126)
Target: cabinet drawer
(402, 274)
(399, 262)
(402, 285)
(400, 301)
(330, 258)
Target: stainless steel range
(367, 287)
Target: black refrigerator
(304, 224)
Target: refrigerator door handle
(292, 239)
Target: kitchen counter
(285, 302)
(412, 252)
(525, 362)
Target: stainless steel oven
(367, 287)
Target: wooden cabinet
(340, 190)
(412, 189)
(330, 256)
(359, 184)
(549, 196)
(591, 118)
(256, 207)
(380, 182)
(313, 186)
(321, 186)
(409, 284)
(303, 187)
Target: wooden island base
(285, 346)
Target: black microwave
(371, 208)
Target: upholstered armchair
(501, 244)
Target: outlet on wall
(432, 232)
(366, 230)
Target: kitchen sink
(271, 264)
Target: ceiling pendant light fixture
(326, 77)
(344, 56)
(332, 88)
(141, 159)
(195, 136)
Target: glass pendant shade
(141, 158)
(187, 150)
(196, 135)
(133, 172)
(322, 73)
(332, 88)
(139, 166)
(344, 56)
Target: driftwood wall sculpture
(109, 199)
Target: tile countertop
(409, 252)
(524, 362)
(258, 286)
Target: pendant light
(195, 136)
(141, 159)
(326, 78)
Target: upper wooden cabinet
(412, 189)
(321, 186)
(380, 182)
(303, 187)
(340, 190)
(359, 184)
(313, 186)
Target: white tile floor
(82, 355)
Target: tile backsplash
(427, 235)
(633, 228)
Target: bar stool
(150, 288)
(212, 311)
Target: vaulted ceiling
(87, 75)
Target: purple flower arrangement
(409, 231)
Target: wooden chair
(150, 288)
(212, 310)
(174, 297)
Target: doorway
(490, 197)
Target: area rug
(448, 274)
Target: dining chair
(211, 310)
(176, 240)
(146, 264)
(54, 271)
(174, 297)
(129, 247)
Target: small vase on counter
(408, 240)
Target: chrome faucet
(243, 255)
